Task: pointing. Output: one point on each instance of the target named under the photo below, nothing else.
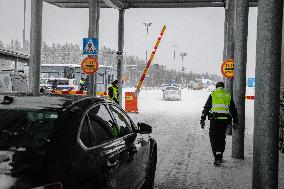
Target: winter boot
(218, 159)
(217, 162)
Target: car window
(123, 122)
(26, 128)
(43, 81)
(97, 127)
(172, 88)
(63, 82)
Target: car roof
(55, 102)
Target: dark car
(72, 142)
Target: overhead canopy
(125, 4)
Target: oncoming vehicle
(172, 93)
(62, 83)
(73, 142)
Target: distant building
(10, 60)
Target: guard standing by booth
(113, 92)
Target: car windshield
(43, 81)
(28, 129)
(171, 88)
(59, 82)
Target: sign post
(227, 68)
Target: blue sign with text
(90, 46)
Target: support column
(225, 35)
(239, 86)
(266, 122)
(35, 46)
(231, 44)
(94, 12)
(120, 52)
(282, 64)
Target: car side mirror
(144, 128)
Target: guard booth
(131, 102)
(106, 74)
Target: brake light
(56, 185)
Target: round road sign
(227, 68)
(90, 65)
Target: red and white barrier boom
(149, 62)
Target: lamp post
(182, 67)
(147, 25)
(174, 46)
(24, 29)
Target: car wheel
(149, 182)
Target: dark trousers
(217, 134)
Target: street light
(174, 46)
(24, 29)
(147, 25)
(182, 67)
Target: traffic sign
(227, 68)
(90, 46)
(251, 82)
(90, 65)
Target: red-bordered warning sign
(228, 68)
(90, 65)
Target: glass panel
(26, 128)
(86, 134)
(123, 122)
(97, 127)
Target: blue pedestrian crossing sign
(251, 82)
(90, 46)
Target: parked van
(62, 83)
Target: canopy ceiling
(125, 4)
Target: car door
(126, 133)
(103, 154)
(138, 147)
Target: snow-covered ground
(185, 159)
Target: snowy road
(184, 153)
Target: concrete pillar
(94, 12)
(35, 46)
(282, 64)
(230, 48)
(239, 86)
(120, 52)
(225, 35)
(266, 122)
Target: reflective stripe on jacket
(114, 96)
(82, 82)
(220, 103)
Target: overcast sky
(197, 31)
